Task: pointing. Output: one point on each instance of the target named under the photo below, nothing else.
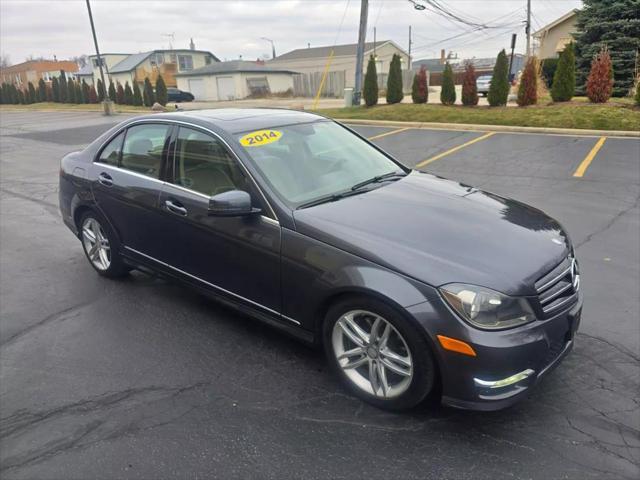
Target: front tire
(379, 356)
(101, 246)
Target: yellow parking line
(589, 158)
(454, 149)
(392, 132)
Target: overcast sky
(233, 28)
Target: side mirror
(234, 203)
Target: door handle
(105, 179)
(176, 208)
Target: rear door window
(143, 149)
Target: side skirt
(149, 266)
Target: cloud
(233, 28)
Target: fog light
(505, 382)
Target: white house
(234, 80)
(311, 60)
(122, 67)
(552, 38)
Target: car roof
(236, 120)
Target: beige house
(233, 80)
(311, 60)
(122, 67)
(552, 38)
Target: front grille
(558, 289)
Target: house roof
(85, 71)
(556, 22)
(132, 61)
(338, 51)
(233, 66)
(431, 64)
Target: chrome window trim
(189, 124)
(163, 183)
(212, 285)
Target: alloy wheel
(96, 244)
(372, 354)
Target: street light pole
(106, 104)
(362, 33)
(273, 48)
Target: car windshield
(310, 161)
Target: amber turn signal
(456, 346)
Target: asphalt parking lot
(142, 378)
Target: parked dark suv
(176, 95)
(412, 283)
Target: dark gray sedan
(414, 285)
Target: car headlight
(485, 308)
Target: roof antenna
(172, 36)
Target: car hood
(439, 231)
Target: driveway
(142, 378)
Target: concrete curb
(491, 128)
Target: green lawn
(615, 115)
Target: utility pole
(106, 104)
(410, 42)
(528, 29)
(513, 46)
(374, 43)
(362, 33)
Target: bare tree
(81, 60)
(5, 61)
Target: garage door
(226, 88)
(196, 87)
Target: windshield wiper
(329, 198)
(377, 179)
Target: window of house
(208, 60)
(111, 153)
(94, 61)
(172, 58)
(143, 148)
(204, 165)
(185, 62)
(157, 58)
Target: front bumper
(508, 363)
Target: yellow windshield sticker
(259, 138)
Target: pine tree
(93, 95)
(63, 87)
(499, 88)
(161, 91)
(55, 90)
(564, 79)
(71, 92)
(419, 89)
(616, 24)
(128, 94)
(2, 94)
(448, 92)
(79, 93)
(147, 94)
(637, 100)
(137, 95)
(42, 91)
(394, 82)
(21, 97)
(370, 90)
(600, 81)
(100, 91)
(469, 86)
(112, 92)
(528, 89)
(85, 91)
(549, 67)
(32, 93)
(120, 94)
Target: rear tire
(366, 339)
(101, 246)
